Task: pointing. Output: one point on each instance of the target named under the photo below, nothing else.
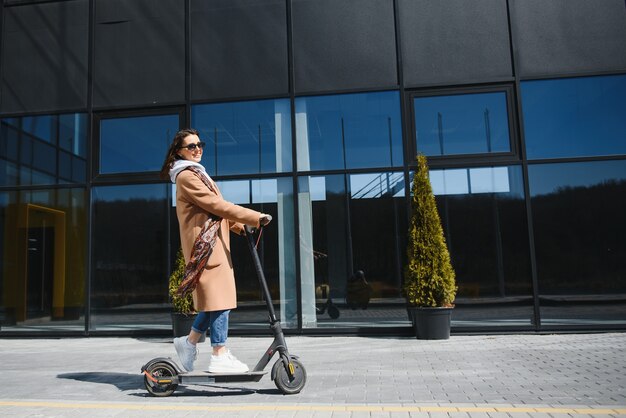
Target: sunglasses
(192, 147)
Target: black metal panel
(139, 52)
(238, 48)
(343, 44)
(44, 57)
(454, 41)
(1, 49)
(569, 36)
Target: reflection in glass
(484, 218)
(454, 181)
(43, 258)
(462, 124)
(578, 212)
(245, 137)
(378, 211)
(72, 128)
(348, 131)
(135, 144)
(276, 249)
(575, 117)
(130, 253)
(41, 127)
(351, 223)
(49, 149)
(578, 217)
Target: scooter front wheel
(157, 379)
(286, 384)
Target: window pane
(339, 218)
(575, 117)
(72, 131)
(454, 181)
(377, 209)
(130, 251)
(137, 144)
(43, 258)
(578, 217)
(40, 127)
(276, 250)
(46, 149)
(483, 214)
(246, 137)
(462, 124)
(348, 131)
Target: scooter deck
(206, 377)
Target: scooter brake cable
(259, 237)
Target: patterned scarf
(202, 247)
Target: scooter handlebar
(251, 230)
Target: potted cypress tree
(183, 313)
(429, 279)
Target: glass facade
(579, 224)
(578, 206)
(528, 173)
(44, 230)
(276, 248)
(44, 271)
(348, 131)
(135, 144)
(43, 150)
(245, 138)
(352, 223)
(130, 242)
(484, 218)
(575, 117)
(462, 124)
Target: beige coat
(216, 288)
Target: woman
(205, 220)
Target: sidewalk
(465, 376)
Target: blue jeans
(217, 321)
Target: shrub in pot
(429, 279)
(183, 313)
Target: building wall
(313, 110)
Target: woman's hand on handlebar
(265, 219)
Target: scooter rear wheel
(158, 371)
(284, 383)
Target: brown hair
(172, 152)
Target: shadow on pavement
(128, 382)
(213, 391)
(123, 381)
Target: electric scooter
(162, 375)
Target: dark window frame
(497, 158)
(126, 178)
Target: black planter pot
(431, 323)
(181, 324)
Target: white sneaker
(226, 363)
(187, 353)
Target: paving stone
(506, 371)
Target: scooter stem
(260, 274)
